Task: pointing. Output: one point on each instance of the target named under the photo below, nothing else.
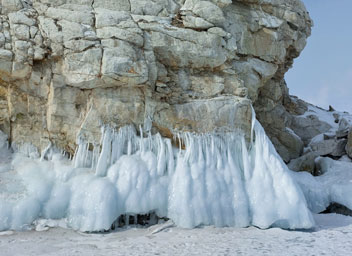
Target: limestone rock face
(68, 67)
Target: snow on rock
(332, 147)
(349, 143)
(212, 179)
(325, 133)
(333, 186)
(315, 122)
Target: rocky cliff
(69, 67)
(73, 72)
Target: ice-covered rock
(333, 186)
(331, 146)
(313, 122)
(211, 179)
(344, 127)
(330, 130)
(349, 143)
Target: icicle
(129, 147)
(79, 157)
(141, 139)
(161, 156)
(252, 126)
(95, 156)
(45, 151)
(170, 162)
(210, 179)
(104, 158)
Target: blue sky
(322, 75)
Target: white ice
(213, 179)
(333, 186)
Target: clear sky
(322, 75)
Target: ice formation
(333, 186)
(211, 179)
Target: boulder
(349, 144)
(332, 147)
(287, 143)
(344, 127)
(307, 127)
(304, 163)
(340, 148)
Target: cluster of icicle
(213, 179)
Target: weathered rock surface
(343, 129)
(331, 147)
(69, 67)
(304, 163)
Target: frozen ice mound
(211, 179)
(333, 186)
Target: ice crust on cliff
(211, 179)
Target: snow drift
(210, 179)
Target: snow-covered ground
(332, 236)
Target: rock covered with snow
(323, 132)
(326, 155)
(329, 146)
(349, 143)
(67, 67)
(304, 163)
(297, 127)
(333, 186)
